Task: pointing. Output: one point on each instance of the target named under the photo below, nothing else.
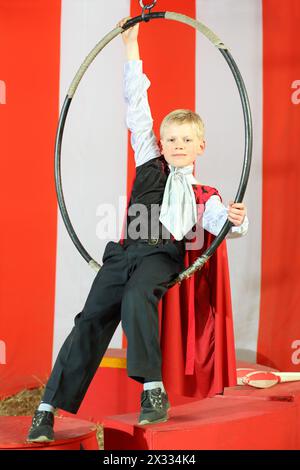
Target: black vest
(145, 202)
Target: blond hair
(183, 116)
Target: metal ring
(247, 126)
(147, 7)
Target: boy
(137, 269)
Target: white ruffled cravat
(179, 209)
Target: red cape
(197, 338)
(196, 324)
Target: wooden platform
(70, 434)
(243, 418)
(218, 423)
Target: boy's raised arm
(138, 117)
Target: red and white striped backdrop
(43, 280)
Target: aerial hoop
(247, 127)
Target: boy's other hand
(237, 212)
(130, 35)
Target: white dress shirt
(139, 121)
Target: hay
(22, 404)
(25, 402)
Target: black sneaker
(155, 405)
(42, 427)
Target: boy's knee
(135, 291)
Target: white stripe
(239, 25)
(94, 151)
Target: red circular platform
(70, 434)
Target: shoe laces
(154, 396)
(43, 417)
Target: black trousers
(127, 288)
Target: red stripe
(167, 49)
(29, 52)
(280, 294)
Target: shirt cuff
(241, 229)
(133, 66)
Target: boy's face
(181, 145)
